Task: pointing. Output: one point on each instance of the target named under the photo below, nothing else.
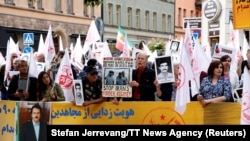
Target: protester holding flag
(47, 90)
(22, 87)
(215, 88)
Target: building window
(184, 13)
(92, 12)
(192, 13)
(31, 4)
(110, 13)
(8, 1)
(154, 21)
(129, 17)
(169, 23)
(197, 14)
(85, 11)
(163, 23)
(70, 6)
(118, 15)
(179, 17)
(138, 17)
(39, 4)
(147, 20)
(58, 5)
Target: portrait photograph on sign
(117, 73)
(40, 66)
(118, 76)
(164, 69)
(26, 57)
(174, 46)
(78, 91)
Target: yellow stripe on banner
(8, 123)
(132, 113)
(151, 113)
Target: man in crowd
(92, 87)
(22, 87)
(142, 81)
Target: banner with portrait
(78, 92)
(175, 47)
(164, 69)
(117, 73)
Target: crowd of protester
(216, 85)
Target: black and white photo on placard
(164, 69)
(119, 76)
(78, 89)
(174, 46)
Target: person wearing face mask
(34, 129)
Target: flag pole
(28, 79)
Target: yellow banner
(8, 123)
(132, 113)
(241, 14)
(151, 113)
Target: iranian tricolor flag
(120, 40)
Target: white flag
(64, 77)
(49, 46)
(188, 42)
(245, 104)
(185, 75)
(60, 44)
(32, 66)
(2, 60)
(245, 47)
(92, 36)
(41, 46)
(200, 62)
(76, 54)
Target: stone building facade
(68, 19)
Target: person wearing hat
(92, 87)
(91, 62)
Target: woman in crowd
(230, 74)
(214, 88)
(47, 90)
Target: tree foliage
(92, 3)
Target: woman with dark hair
(230, 74)
(215, 88)
(47, 90)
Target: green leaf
(92, 3)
